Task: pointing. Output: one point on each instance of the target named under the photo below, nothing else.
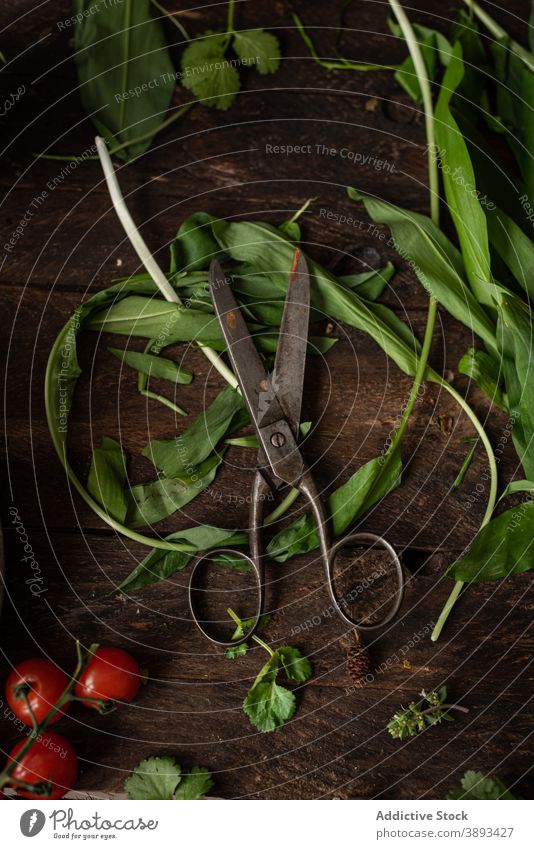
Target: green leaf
(153, 366)
(436, 263)
(180, 457)
(267, 704)
(258, 48)
(195, 784)
(460, 186)
(486, 372)
(159, 565)
(194, 246)
(433, 46)
(503, 547)
(513, 246)
(518, 486)
(515, 334)
(233, 652)
(264, 250)
(153, 778)
(154, 318)
(107, 478)
(206, 72)
(369, 284)
(296, 667)
(125, 71)
(476, 785)
(365, 487)
(151, 502)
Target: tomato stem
(38, 727)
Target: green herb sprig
(163, 778)
(432, 709)
(268, 705)
(476, 785)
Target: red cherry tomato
(51, 758)
(111, 674)
(46, 683)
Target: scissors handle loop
(260, 490)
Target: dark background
(336, 744)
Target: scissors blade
(256, 386)
(290, 362)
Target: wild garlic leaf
(460, 186)
(266, 252)
(153, 366)
(151, 502)
(154, 778)
(194, 246)
(487, 373)
(206, 72)
(436, 263)
(513, 246)
(368, 485)
(159, 564)
(369, 284)
(433, 46)
(258, 48)
(503, 547)
(107, 478)
(476, 785)
(127, 78)
(195, 784)
(180, 457)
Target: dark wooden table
(337, 744)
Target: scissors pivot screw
(278, 440)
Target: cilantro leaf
(153, 778)
(296, 666)
(268, 705)
(194, 784)
(476, 785)
(259, 48)
(208, 74)
(233, 652)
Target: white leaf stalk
(143, 252)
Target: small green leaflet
(268, 705)
(107, 478)
(153, 366)
(154, 778)
(194, 784)
(206, 72)
(259, 48)
(162, 778)
(233, 652)
(476, 785)
(213, 77)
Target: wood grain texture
(336, 745)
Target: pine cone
(358, 662)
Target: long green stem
(144, 254)
(172, 17)
(492, 498)
(230, 19)
(38, 728)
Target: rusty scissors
(274, 404)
